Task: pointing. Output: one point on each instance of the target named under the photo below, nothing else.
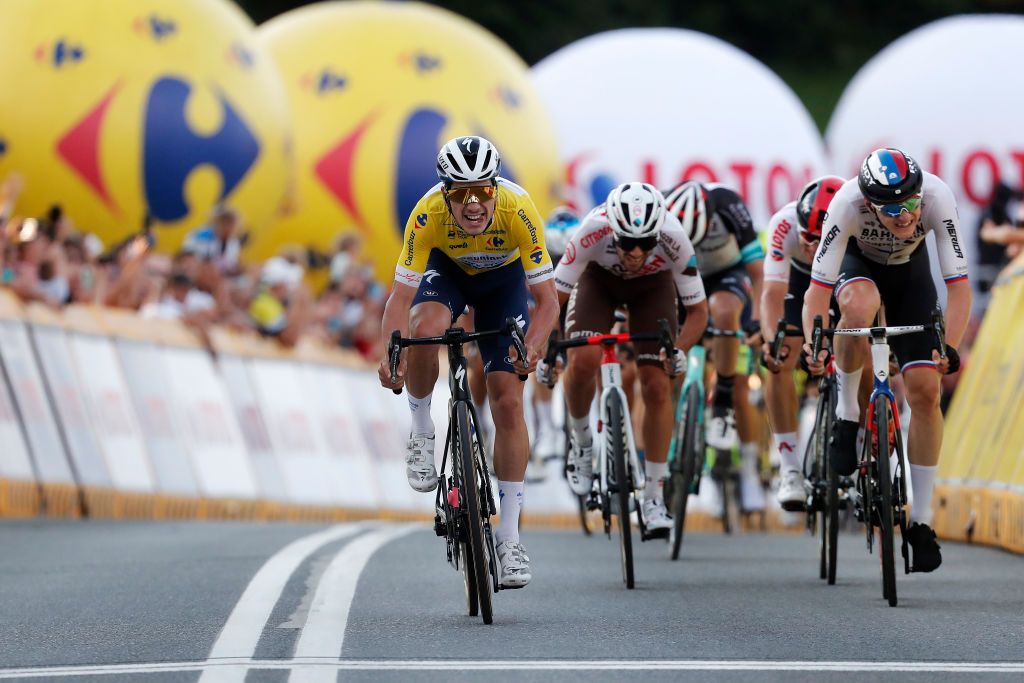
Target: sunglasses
(469, 195)
(909, 204)
(628, 244)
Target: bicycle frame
(611, 381)
(695, 362)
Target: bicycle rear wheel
(477, 555)
(469, 578)
(684, 466)
(884, 500)
(617, 443)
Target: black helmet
(888, 175)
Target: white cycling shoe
(419, 463)
(751, 491)
(655, 515)
(580, 468)
(792, 493)
(515, 565)
(721, 432)
(550, 445)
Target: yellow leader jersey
(516, 231)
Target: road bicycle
(619, 474)
(464, 502)
(686, 450)
(882, 486)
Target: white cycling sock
(786, 445)
(510, 498)
(581, 431)
(922, 483)
(656, 473)
(846, 406)
(545, 420)
(750, 453)
(422, 423)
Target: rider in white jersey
(872, 252)
(793, 235)
(629, 252)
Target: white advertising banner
(384, 418)
(59, 370)
(333, 404)
(148, 384)
(312, 475)
(110, 407)
(664, 105)
(15, 461)
(212, 437)
(945, 94)
(235, 373)
(26, 383)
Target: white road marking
(241, 632)
(333, 666)
(323, 635)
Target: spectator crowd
(207, 282)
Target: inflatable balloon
(938, 93)
(667, 105)
(375, 89)
(122, 108)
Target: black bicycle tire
(832, 498)
(473, 513)
(617, 443)
(682, 477)
(821, 429)
(724, 483)
(468, 570)
(885, 509)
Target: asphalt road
(274, 602)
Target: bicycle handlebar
(455, 336)
(664, 337)
(937, 327)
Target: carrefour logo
(171, 149)
(421, 220)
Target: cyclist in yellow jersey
(475, 239)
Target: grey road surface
(106, 601)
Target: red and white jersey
(849, 217)
(784, 246)
(593, 242)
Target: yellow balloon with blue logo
(118, 109)
(376, 89)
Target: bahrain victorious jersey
(593, 242)
(516, 232)
(849, 217)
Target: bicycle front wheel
(685, 466)
(477, 558)
(616, 442)
(885, 516)
(832, 497)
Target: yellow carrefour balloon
(118, 108)
(375, 89)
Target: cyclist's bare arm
(958, 310)
(773, 301)
(694, 325)
(396, 317)
(545, 316)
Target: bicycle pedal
(440, 526)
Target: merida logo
(827, 241)
(953, 239)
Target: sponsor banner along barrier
(980, 496)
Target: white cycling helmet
(635, 210)
(689, 203)
(559, 229)
(468, 159)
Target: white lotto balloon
(946, 95)
(665, 105)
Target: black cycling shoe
(926, 556)
(842, 447)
